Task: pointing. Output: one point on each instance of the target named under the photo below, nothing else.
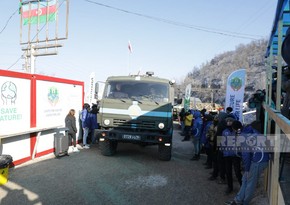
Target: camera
(257, 98)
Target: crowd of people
(209, 133)
(88, 126)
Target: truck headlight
(107, 122)
(161, 125)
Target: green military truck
(136, 109)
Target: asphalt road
(133, 176)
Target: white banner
(54, 100)
(187, 97)
(91, 88)
(235, 92)
(14, 104)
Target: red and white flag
(130, 47)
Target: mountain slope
(213, 74)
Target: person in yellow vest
(187, 125)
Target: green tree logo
(53, 96)
(236, 83)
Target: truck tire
(164, 152)
(108, 148)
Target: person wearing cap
(231, 157)
(255, 161)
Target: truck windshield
(140, 91)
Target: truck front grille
(134, 124)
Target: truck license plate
(132, 137)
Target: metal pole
(29, 23)
(20, 10)
(37, 30)
(26, 61)
(67, 14)
(56, 25)
(46, 22)
(32, 60)
(276, 161)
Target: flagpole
(128, 66)
(129, 55)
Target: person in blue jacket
(255, 161)
(92, 123)
(196, 133)
(231, 156)
(85, 127)
(205, 141)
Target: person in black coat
(70, 123)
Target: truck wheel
(164, 152)
(108, 148)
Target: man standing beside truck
(188, 123)
(86, 129)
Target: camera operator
(256, 101)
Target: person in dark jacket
(205, 139)
(70, 123)
(181, 118)
(218, 157)
(210, 138)
(229, 111)
(92, 123)
(231, 156)
(84, 114)
(255, 161)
